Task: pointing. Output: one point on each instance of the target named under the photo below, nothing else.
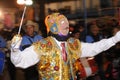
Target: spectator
(31, 29)
(95, 36)
(11, 68)
(2, 40)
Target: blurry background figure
(8, 21)
(2, 52)
(76, 34)
(94, 36)
(2, 40)
(31, 35)
(115, 29)
(81, 30)
(11, 68)
(114, 58)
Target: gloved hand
(116, 37)
(16, 41)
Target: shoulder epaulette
(44, 45)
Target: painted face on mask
(57, 24)
(63, 26)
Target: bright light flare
(26, 2)
(21, 2)
(0, 13)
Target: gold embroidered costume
(51, 65)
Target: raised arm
(25, 58)
(92, 49)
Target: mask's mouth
(64, 34)
(66, 28)
(61, 37)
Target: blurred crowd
(108, 62)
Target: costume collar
(60, 37)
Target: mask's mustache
(67, 28)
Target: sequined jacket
(51, 66)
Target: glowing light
(0, 13)
(21, 2)
(26, 2)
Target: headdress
(52, 24)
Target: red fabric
(64, 54)
(93, 65)
(81, 67)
